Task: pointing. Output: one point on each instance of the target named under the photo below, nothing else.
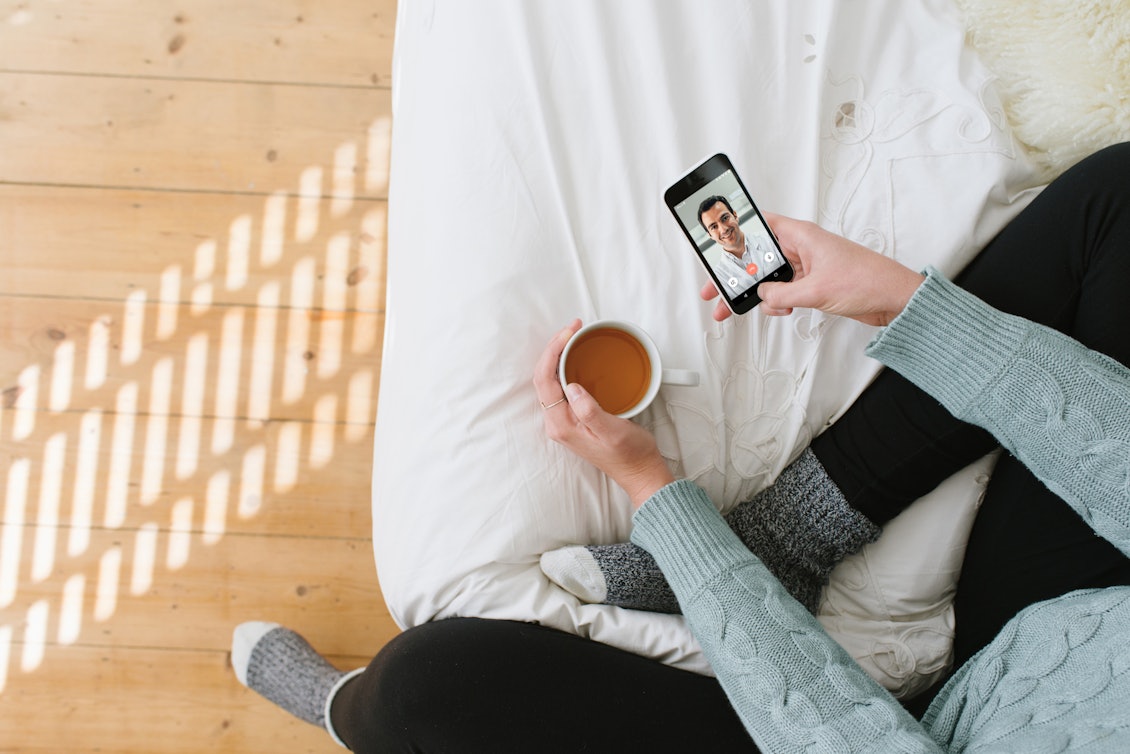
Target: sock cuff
(801, 527)
(330, 700)
(806, 511)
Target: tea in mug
(612, 366)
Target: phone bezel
(685, 187)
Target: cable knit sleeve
(794, 688)
(1062, 409)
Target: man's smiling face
(722, 226)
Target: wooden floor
(192, 229)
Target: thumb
(799, 293)
(776, 295)
(586, 409)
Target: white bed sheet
(531, 145)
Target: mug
(619, 365)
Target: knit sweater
(1056, 678)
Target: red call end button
(751, 268)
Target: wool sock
(280, 665)
(622, 574)
(801, 527)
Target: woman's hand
(625, 451)
(834, 275)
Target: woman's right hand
(832, 274)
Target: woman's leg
(1026, 544)
(471, 685)
(1064, 262)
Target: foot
(280, 665)
(801, 528)
(623, 575)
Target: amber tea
(612, 366)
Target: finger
(588, 412)
(546, 382)
(780, 223)
(782, 298)
(772, 218)
(785, 229)
(781, 227)
(709, 292)
(770, 297)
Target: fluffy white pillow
(1063, 69)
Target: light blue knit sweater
(1057, 677)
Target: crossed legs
(471, 685)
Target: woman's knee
(1099, 182)
(421, 686)
(377, 710)
(1112, 162)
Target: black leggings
(472, 685)
(467, 685)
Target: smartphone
(729, 235)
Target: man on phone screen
(744, 259)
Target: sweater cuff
(949, 342)
(687, 536)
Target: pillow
(1063, 72)
(891, 604)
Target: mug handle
(680, 377)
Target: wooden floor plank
(100, 469)
(140, 701)
(162, 587)
(331, 43)
(264, 363)
(173, 247)
(194, 135)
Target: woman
(1035, 656)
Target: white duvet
(532, 142)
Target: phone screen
(727, 230)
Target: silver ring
(551, 405)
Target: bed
(531, 145)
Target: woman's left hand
(623, 450)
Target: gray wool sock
(801, 527)
(280, 665)
(622, 574)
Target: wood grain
(259, 363)
(169, 585)
(292, 41)
(106, 469)
(169, 247)
(136, 700)
(194, 135)
(192, 271)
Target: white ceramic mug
(637, 395)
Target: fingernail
(573, 391)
